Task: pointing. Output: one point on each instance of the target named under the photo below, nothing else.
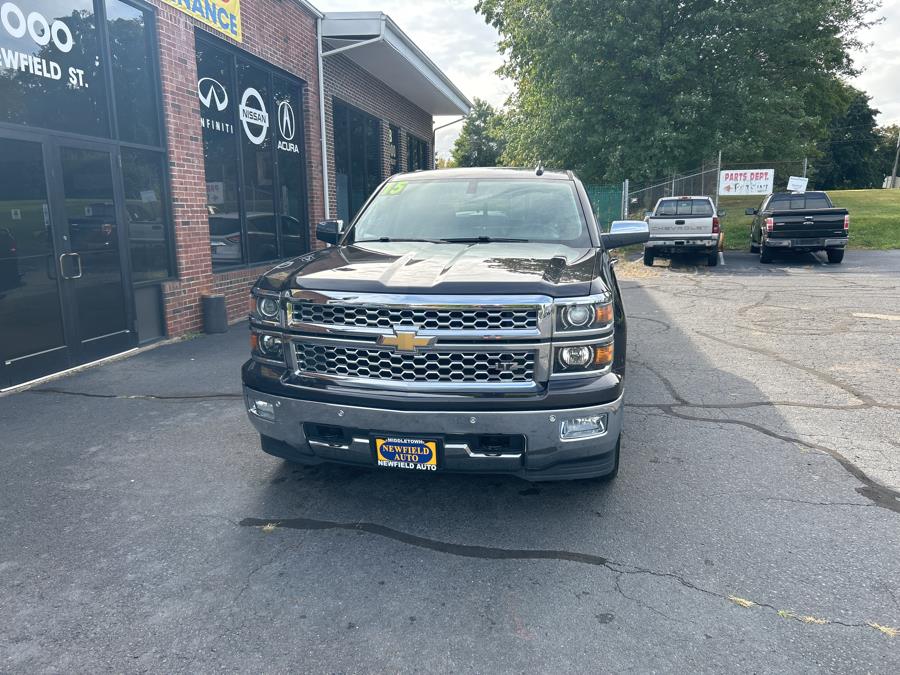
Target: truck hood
(425, 267)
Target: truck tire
(765, 254)
(753, 247)
(712, 259)
(835, 255)
(648, 258)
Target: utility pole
(805, 165)
(718, 180)
(896, 157)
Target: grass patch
(874, 218)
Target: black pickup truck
(468, 320)
(799, 221)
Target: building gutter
(325, 187)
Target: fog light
(575, 356)
(263, 409)
(270, 345)
(583, 427)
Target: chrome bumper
(684, 243)
(814, 242)
(545, 455)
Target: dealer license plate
(406, 453)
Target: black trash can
(215, 316)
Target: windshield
(477, 210)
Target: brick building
(153, 152)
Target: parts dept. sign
(222, 15)
(47, 34)
(746, 182)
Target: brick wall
(282, 33)
(350, 83)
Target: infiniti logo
(209, 91)
(286, 120)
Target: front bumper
(544, 455)
(807, 243)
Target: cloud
(881, 63)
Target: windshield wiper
(391, 239)
(480, 240)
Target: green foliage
(849, 156)
(630, 88)
(480, 143)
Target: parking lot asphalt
(755, 524)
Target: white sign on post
(797, 184)
(746, 182)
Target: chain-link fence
(607, 202)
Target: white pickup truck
(683, 225)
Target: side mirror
(625, 233)
(329, 231)
(649, 214)
(750, 212)
(721, 213)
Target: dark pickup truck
(468, 320)
(799, 221)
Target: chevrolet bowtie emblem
(405, 340)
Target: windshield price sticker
(406, 453)
(394, 188)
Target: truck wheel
(753, 247)
(712, 259)
(835, 255)
(648, 258)
(615, 470)
(765, 254)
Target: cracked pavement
(755, 523)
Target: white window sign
(746, 182)
(797, 184)
(215, 192)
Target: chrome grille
(423, 318)
(451, 367)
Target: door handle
(62, 269)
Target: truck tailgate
(809, 223)
(676, 227)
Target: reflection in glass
(30, 318)
(148, 230)
(292, 186)
(257, 119)
(131, 45)
(93, 233)
(58, 85)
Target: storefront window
(51, 68)
(252, 137)
(145, 204)
(357, 156)
(131, 48)
(417, 156)
(395, 149)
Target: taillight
(770, 224)
(847, 222)
(715, 225)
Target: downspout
(325, 187)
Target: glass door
(92, 242)
(32, 333)
(64, 296)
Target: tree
(849, 155)
(480, 143)
(630, 88)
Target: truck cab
(683, 225)
(467, 320)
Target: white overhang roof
(375, 43)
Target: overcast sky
(465, 48)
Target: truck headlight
(583, 359)
(590, 314)
(268, 308)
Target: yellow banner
(222, 15)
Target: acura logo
(286, 121)
(405, 340)
(254, 116)
(212, 91)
